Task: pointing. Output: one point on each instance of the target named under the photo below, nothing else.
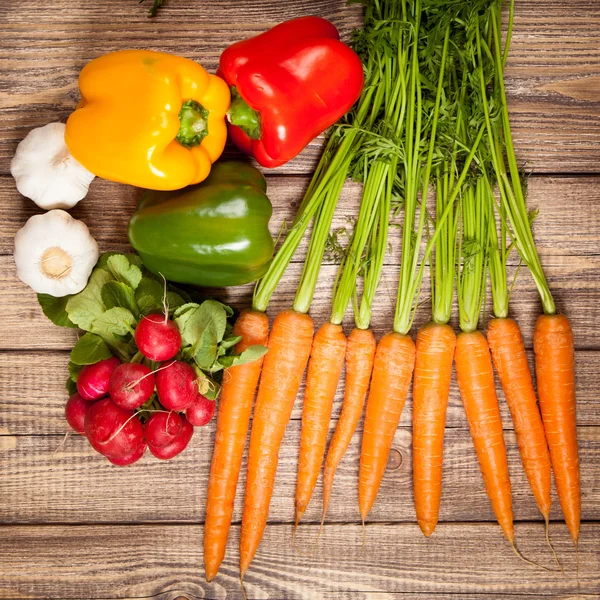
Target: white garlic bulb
(55, 253)
(45, 171)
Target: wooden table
(73, 526)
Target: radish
(131, 385)
(131, 458)
(201, 411)
(113, 431)
(75, 411)
(176, 385)
(163, 428)
(93, 380)
(157, 337)
(178, 443)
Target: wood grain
(42, 483)
(143, 561)
(108, 207)
(554, 51)
(33, 394)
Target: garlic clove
(55, 253)
(45, 170)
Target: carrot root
(431, 387)
(235, 407)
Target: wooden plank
(574, 280)
(33, 394)
(46, 480)
(568, 223)
(552, 75)
(141, 561)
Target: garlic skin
(45, 171)
(55, 253)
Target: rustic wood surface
(73, 526)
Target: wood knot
(394, 460)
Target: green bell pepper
(213, 234)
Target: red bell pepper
(288, 85)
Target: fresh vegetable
(130, 458)
(131, 385)
(148, 119)
(201, 411)
(157, 337)
(75, 411)
(93, 381)
(283, 367)
(45, 171)
(324, 370)
(229, 212)
(163, 428)
(288, 85)
(553, 339)
(233, 418)
(555, 374)
(113, 431)
(176, 385)
(55, 254)
(177, 445)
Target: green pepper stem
(243, 116)
(193, 118)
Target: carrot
(555, 372)
(324, 370)
(235, 407)
(283, 367)
(392, 373)
(431, 387)
(360, 353)
(477, 388)
(508, 353)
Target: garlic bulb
(55, 253)
(46, 172)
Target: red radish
(93, 380)
(75, 411)
(131, 385)
(201, 411)
(163, 428)
(157, 338)
(113, 431)
(131, 458)
(176, 385)
(178, 445)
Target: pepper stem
(194, 124)
(243, 116)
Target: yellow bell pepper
(148, 119)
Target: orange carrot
(235, 407)
(324, 370)
(392, 372)
(508, 353)
(360, 353)
(284, 364)
(431, 387)
(555, 372)
(476, 383)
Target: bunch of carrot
(433, 113)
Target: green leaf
(71, 386)
(133, 259)
(114, 322)
(247, 356)
(174, 301)
(115, 293)
(56, 309)
(122, 270)
(230, 341)
(84, 308)
(149, 295)
(185, 308)
(89, 349)
(74, 370)
(213, 391)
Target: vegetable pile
(148, 369)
